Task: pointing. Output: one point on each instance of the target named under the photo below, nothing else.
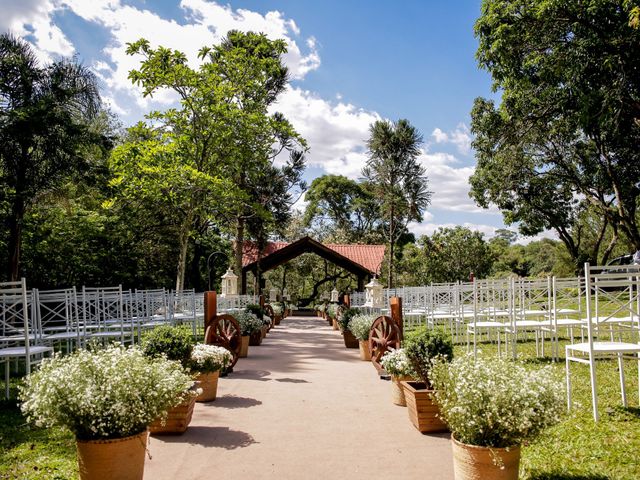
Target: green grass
(578, 448)
(27, 452)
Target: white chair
(20, 335)
(612, 324)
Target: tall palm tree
(397, 178)
(44, 124)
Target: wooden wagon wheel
(383, 336)
(269, 311)
(225, 332)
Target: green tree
(46, 113)
(345, 206)
(567, 126)
(397, 179)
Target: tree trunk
(14, 244)
(183, 243)
(392, 241)
(242, 287)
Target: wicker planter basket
(397, 391)
(209, 386)
(423, 411)
(178, 419)
(244, 346)
(349, 340)
(334, 323)
(115, 459)
(474, 463)
(255, 339)
(277, 319)
(365, 354)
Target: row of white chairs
(33, 322)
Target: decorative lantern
(373, 294)
(229, 284)
(324, 296)
(334, 295)
(285, 294)
(273, 295)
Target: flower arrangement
(174, 342)
(209, 358)
(248, 322)
(320, 307)
(103, 394)
(396, 362)
(495, 403)
(277, 308)
(332, 310)
(256, 309)
(360, 326)
(423, 347)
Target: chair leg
(594, 393)
(623, 391)
(6, 378)
(568, 375)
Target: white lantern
(334, 296)
(325, 296)
(285, 294)
(273, 295)
(229, 284)
(373, 294)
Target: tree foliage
(565, 136)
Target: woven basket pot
(277, 319)
(478, 463)
(116, 459)
(255, 339)
(178, 419)
(209, 386)
(244, 346)
(334, 323)
(423, 411)
(365, 354)
(349, 340)
(397, 391)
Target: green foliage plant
(110, 393)
(256, 309)
(360, 325)
(345, 317)
(173, 342)
(497, 403)
(426, 345)
(332, 310)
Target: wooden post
(396, 313)
(210, 308)
(347, 300)
(261, 300)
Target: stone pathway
(301, 405)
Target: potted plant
(332, 313)
(256, 336)
(174, 343)
(422, 348)
(249, 324)
(208, 361)
(360, 325)
(396, 363)
(107, 398)
(345, 316)
(492, 407)
(278, 311)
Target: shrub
(321, 307)
(109, 393)
(360, 325)
(332, 310)
(396, 362)
(277, 308)
(345, 317)
(424, 346)
(496, 403)
(209, 358)
(176, 343)
(256, 309)
(249, 323)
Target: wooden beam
(395, 304)
(210, 308)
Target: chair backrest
(14, 311)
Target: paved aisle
(301, 405)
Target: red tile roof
(369, 257)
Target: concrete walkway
(301, 405)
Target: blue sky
(351, 62)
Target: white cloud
(460, 137)
(427, 228)
(33, 18)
